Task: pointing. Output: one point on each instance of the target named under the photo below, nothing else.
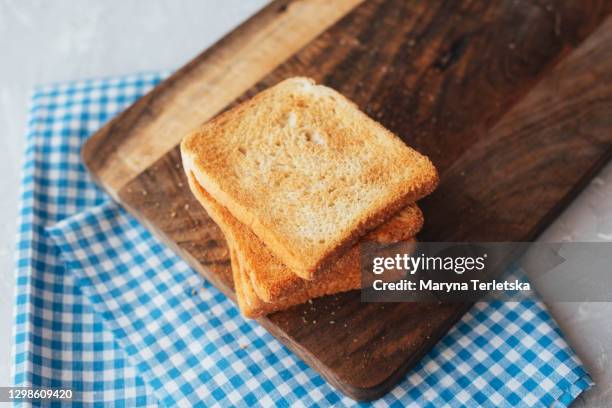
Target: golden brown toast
(270, 279)
(306, 171)
(252, 306)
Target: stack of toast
(296, 178)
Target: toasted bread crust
(271, 280)
(251, 305)
(402, 226)
(306, 171)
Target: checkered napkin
(104, 308)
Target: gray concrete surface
(50, 41)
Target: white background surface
(50, 41)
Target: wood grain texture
(507, 98)
(204, 86)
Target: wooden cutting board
(512, 101)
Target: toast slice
(271, 279)
(306, 170)
(251, 306)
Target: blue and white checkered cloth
(105, 309)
